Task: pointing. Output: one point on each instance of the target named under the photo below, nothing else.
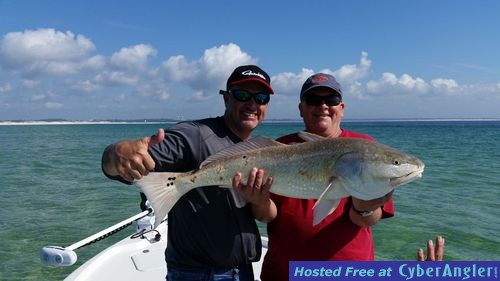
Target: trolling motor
(57, 256)
(66, 256)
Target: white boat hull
(135, 259)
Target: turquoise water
(52, 191)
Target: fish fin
(324, 207)
(242, 147)
(327, 188)
(309, 136)
(161, 191)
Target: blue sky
(90, 59)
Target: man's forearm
(265, 212)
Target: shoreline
(155, 121)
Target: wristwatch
(362, 213)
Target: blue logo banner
(394, 270)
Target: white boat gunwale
(136, 259)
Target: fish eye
(396, 162)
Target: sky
(395, 59)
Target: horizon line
(271, 120)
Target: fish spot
(221, 178)
(245, 158)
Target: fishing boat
(139, 256)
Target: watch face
(366, 214)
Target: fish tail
(162, 192)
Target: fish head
(373, 170)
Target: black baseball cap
(246, 73)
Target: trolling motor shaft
(66, 256)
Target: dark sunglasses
(244, 96)
(315, 100)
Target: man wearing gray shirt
(209, 236)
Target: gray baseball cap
(320, 80)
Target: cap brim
(254, 80)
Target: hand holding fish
(130, 159)
(256, 191)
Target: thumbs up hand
(130, 159)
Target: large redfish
(323, 169)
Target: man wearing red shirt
(346, 234)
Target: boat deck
(135, 259)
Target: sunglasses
(244, 96)
(315, 100)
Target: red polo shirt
(292, 237)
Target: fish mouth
(415, 175)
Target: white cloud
(199, 96)
(444, 85)
(210, 71)
(288, 83)
(219, 62)
(116, 78)
(133, 58)
(43, 51)
(178, 69)
(203, 75)
(154, 89)
(85, 86)
(94, 63)
(350, 73)
(52, 68)
(390, 84)
(36, 63)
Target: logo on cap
(319, 79)
(251, 73)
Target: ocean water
(52, 190)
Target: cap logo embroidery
(251, 73)
(318, 79)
